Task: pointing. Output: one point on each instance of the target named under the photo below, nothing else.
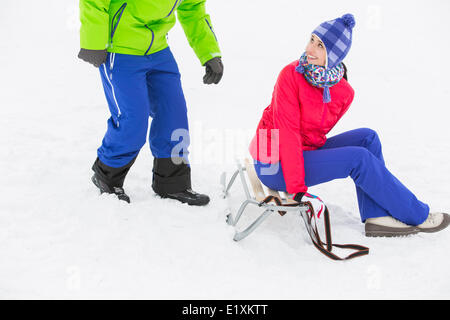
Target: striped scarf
(319, 76)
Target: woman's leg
(381, 188)
(362, 137)
(366, 138)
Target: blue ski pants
(357, 153)
(136, 88)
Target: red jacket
(302, 119)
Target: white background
(60, 239)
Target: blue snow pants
(136, 88)
(357, 154)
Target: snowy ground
(60, 239)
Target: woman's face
(315, 51)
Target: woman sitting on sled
(309, 98)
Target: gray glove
(95, 57)
(214, 71)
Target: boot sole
(198, 203)
(374, 230)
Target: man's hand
(214, 71)
(94, 57)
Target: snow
(60, 239)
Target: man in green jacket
(127, 41)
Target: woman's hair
(345, 71)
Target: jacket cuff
(208, 56)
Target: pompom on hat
(336, 35)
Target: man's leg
(169, 130)
(125, 86)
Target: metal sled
(272, 202)
(259, 199)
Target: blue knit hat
(336, 35)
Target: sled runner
(274, 201)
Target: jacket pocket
(116, 19)
(114, 106)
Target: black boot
(172, 179)
(118, 191)
(110, 180)
(189, 196)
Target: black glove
(95, 57)
(298, 196)
(214, 71)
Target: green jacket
(139, 27)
